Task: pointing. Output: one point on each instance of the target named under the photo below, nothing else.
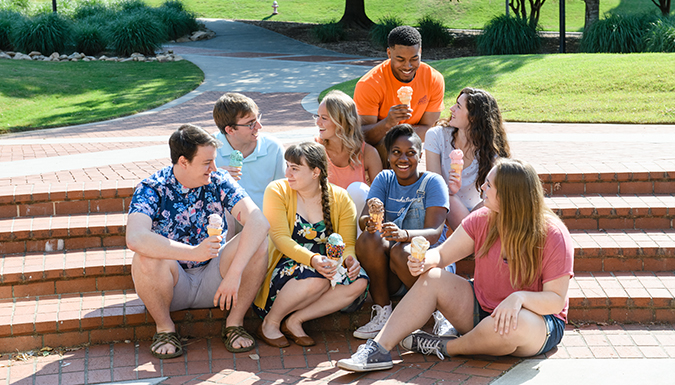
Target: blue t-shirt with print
(396, 198)
(180, 213)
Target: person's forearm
(152, 245)
(542, 302)
(374, 133)
(432, 235)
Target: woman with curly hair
(475, 126)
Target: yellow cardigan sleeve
(279, 207)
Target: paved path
(284, 77)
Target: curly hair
(342, 112)
(402, 130)
(486, 130)
(404, 35)
(314, 156)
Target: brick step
(36, 274)
(117, 315)
(47, 199)
(71, 232)
(609, 182)
(615, 211)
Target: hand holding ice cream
(334, 249)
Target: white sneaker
(378, 317)
(443, 327)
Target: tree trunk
(592, 12)
(535, 10)
(355, 15)
(664, 6)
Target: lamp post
(562, 26)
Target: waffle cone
(214, 231)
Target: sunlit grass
(600, 88)
(45, 94)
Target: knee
(144, 265)
(398, 258)
(359, 286)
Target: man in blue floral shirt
(176, 264)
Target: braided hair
(314, 156)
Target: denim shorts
(555, 327)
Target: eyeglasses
(252, 124)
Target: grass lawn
(45, 94)
(598, 88)
(455, 14)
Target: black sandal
(171, 338)
(231, 333)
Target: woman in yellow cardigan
(303, 211)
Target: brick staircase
(66, 281)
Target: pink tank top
(344, 176)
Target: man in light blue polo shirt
(238, 120)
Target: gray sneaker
(368, 357)
(443, 327)
(425, 343)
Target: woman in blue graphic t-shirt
(415, 204)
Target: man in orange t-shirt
(376, 92)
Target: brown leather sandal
(231, 333)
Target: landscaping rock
(184, 39)
(54, 56)
(4, 56)
(178, 58)
(127, 59)
(63, 57)
(35, 53)
(21, 56)
(162, 58)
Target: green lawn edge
(37, 95)
(565, 88)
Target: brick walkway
(124, 151)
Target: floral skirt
(288, 269)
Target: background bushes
(94, 26)
(505, 35)
(661, 36)
(330, 32)
(434, 33)
(379, 32)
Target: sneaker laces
(363, 351)
(439, 323)
(428, 346)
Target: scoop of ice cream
(418, 247)
(456, 156)
(335, 239)
(375, 206)
(215, 221)
(236, 158)
(405, 94)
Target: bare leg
(398, 263)
(456, 213)
(372, 250)
(522, 342)
(295, 295)
(252, 278)
(154, 280)
(422, 299)
(331, 301)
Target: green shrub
(90, 9)
(89, 38)
(175, 4)
(46, 32)
(177, 22)
(617, 34)
(136, 32)
(7, 20)
(132, 5)
(380, 32)
(15, 5)
(434, 33)
(505, 35)
(330, 32)
(661, 36)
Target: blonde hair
(521, 222)
(342, 112)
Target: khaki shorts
(196, 287)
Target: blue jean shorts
(555, 327)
